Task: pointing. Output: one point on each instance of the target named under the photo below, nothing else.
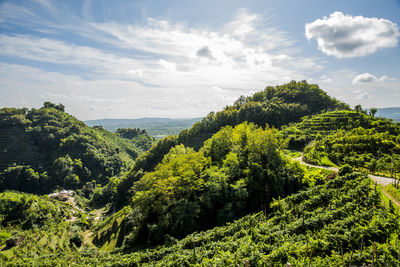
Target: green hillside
(41, 149)
(237, 171)
(275, 106)
(347, 137)
(341, 223)
(362, 148)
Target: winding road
(378, 179)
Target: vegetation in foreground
(342, 222)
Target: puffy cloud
(345, 36)
(367, 78)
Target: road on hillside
(378, 179)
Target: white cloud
(367, 78)
(345, 36)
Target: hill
(238, 171)
(275, 106)
(41, 149)
(156, 127)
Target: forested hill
(41, 149)
(275, 106)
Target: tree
(372, 111)
(358, 109)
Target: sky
(182, 59)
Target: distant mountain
(153, 126)
(390, 113)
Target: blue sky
(132, 59)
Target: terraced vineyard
(299, 134)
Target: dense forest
(233, 189)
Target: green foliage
(41, 149)
(28, 211)
(343, 216)
(239, 170)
